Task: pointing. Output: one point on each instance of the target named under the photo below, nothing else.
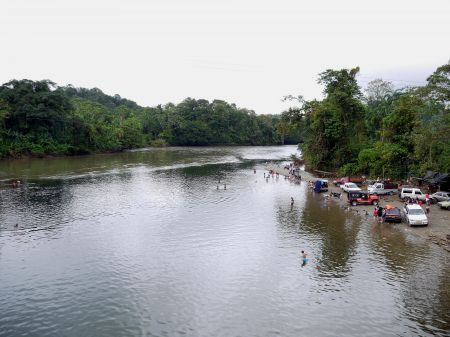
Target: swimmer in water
(304, 258)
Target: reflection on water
(144, 244)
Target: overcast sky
(250, 52)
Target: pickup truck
(343, 180)
(383, 188)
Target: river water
(143, 244)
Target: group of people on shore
(419, 202)
(379, 213)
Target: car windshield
(416, 211)
(351, 185)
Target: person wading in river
(304, 258)
(380, 214)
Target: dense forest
(387, 132)
(38, 118)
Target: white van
(415, 215)
(412, 193)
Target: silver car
(440, 196)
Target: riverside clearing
(437, 230)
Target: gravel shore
(439, 220)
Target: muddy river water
(149, 243)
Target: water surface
(143, 244)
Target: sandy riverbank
(439, 220)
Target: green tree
(336, 124)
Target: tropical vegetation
(39, 118)
(387, 132)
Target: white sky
(250, 52)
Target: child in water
(304, 258)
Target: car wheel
(354, 203)
(374, 202)
(448, 208)
(391, 193)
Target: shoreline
(439, 220)
(29, 156)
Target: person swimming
(304, 258)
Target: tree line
(385, 132)
(39, 118)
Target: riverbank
(439, 220)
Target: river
(143, 243)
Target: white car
(350, 187)
(415, 215)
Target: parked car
(362, 198)
(392, 214)
(341, 181)
(350, 187)
(440, 196)
(321, 185)
(444, 205)
(383, 188)
(412, 193)
(401, 187)
(414, 215)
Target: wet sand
(439, 220)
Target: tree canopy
(38, 118)
(390, 132)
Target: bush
(159, 143)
